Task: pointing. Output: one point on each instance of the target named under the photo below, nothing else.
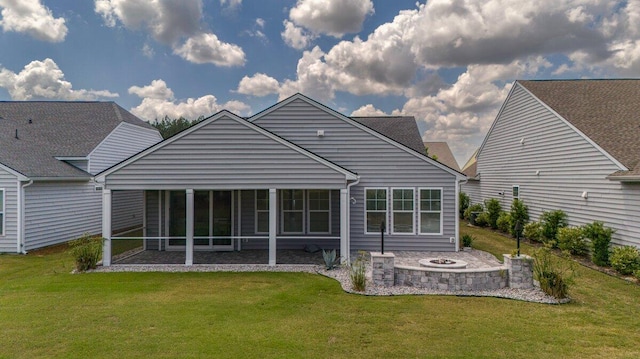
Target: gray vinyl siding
(569, 165)
(126, 210)
(58, 212)
(9, 240)
(123, 142)
(472, 189)
(377, 162)
(225, 154)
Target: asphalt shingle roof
(47, 129)
(607, 111)
(443, 153)
(402, 129)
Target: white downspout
(457, 212)
(348, 254)
(20, 224)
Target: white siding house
(49, 152)
(294, 175)
(569, 145)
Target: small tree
(463, 203)
(493, 212)
(600, 237)
(551, 222)
(519, 212)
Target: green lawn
(47, 312)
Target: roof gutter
(54, 179)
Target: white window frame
(420, 211)
(513, 188)
(2, 211)
(386, 212)
(256, 210)
(283, 211)
(309, 210)
(413, 212)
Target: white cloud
(295, 36)
(258, 85)
(260, 22)
(334, 18)
(158, 101)
(171, 21)
(167, 21)
(462, 113)
(148, 51)
(45, 80)
(33, 18)
(207, 48)
(231, 4)
(368, 110)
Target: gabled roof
(402, 129)
(606, 111)
(100, 177)
(34, 133)
(418, 151)
(471, 167)
(443, 153)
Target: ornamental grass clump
(555, 275)
(87, 251)
(358, 273)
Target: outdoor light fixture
(353, 200)
(585, 195)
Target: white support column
(106, 227)
(189, 242)
(344, 225)
(273, 219)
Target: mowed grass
(47, 312)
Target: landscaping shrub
(330, 260)
(625, 260)
(555, 275)
(482, 220)
(464, 202)
(493, 212)
(87, 251)
(504, 222)
(519, 212)
(600, 237)
(357, 273)
(532, 231)
(572, 239)
(551, 222)
(473, 208)
(467, 240)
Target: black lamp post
(518, 230)
(382, 229)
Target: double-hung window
(515, 192)
(430, 211)
(1, 212)
(319, 202)
(292, 211)
(403, 213)
(262, 211)
(375, 208)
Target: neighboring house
(442, 154)
(296, 174)
(572, 145)
(49, 152)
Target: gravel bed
(342, 276)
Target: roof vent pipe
(30, 121)
(17, 134)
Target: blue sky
(448, 63)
